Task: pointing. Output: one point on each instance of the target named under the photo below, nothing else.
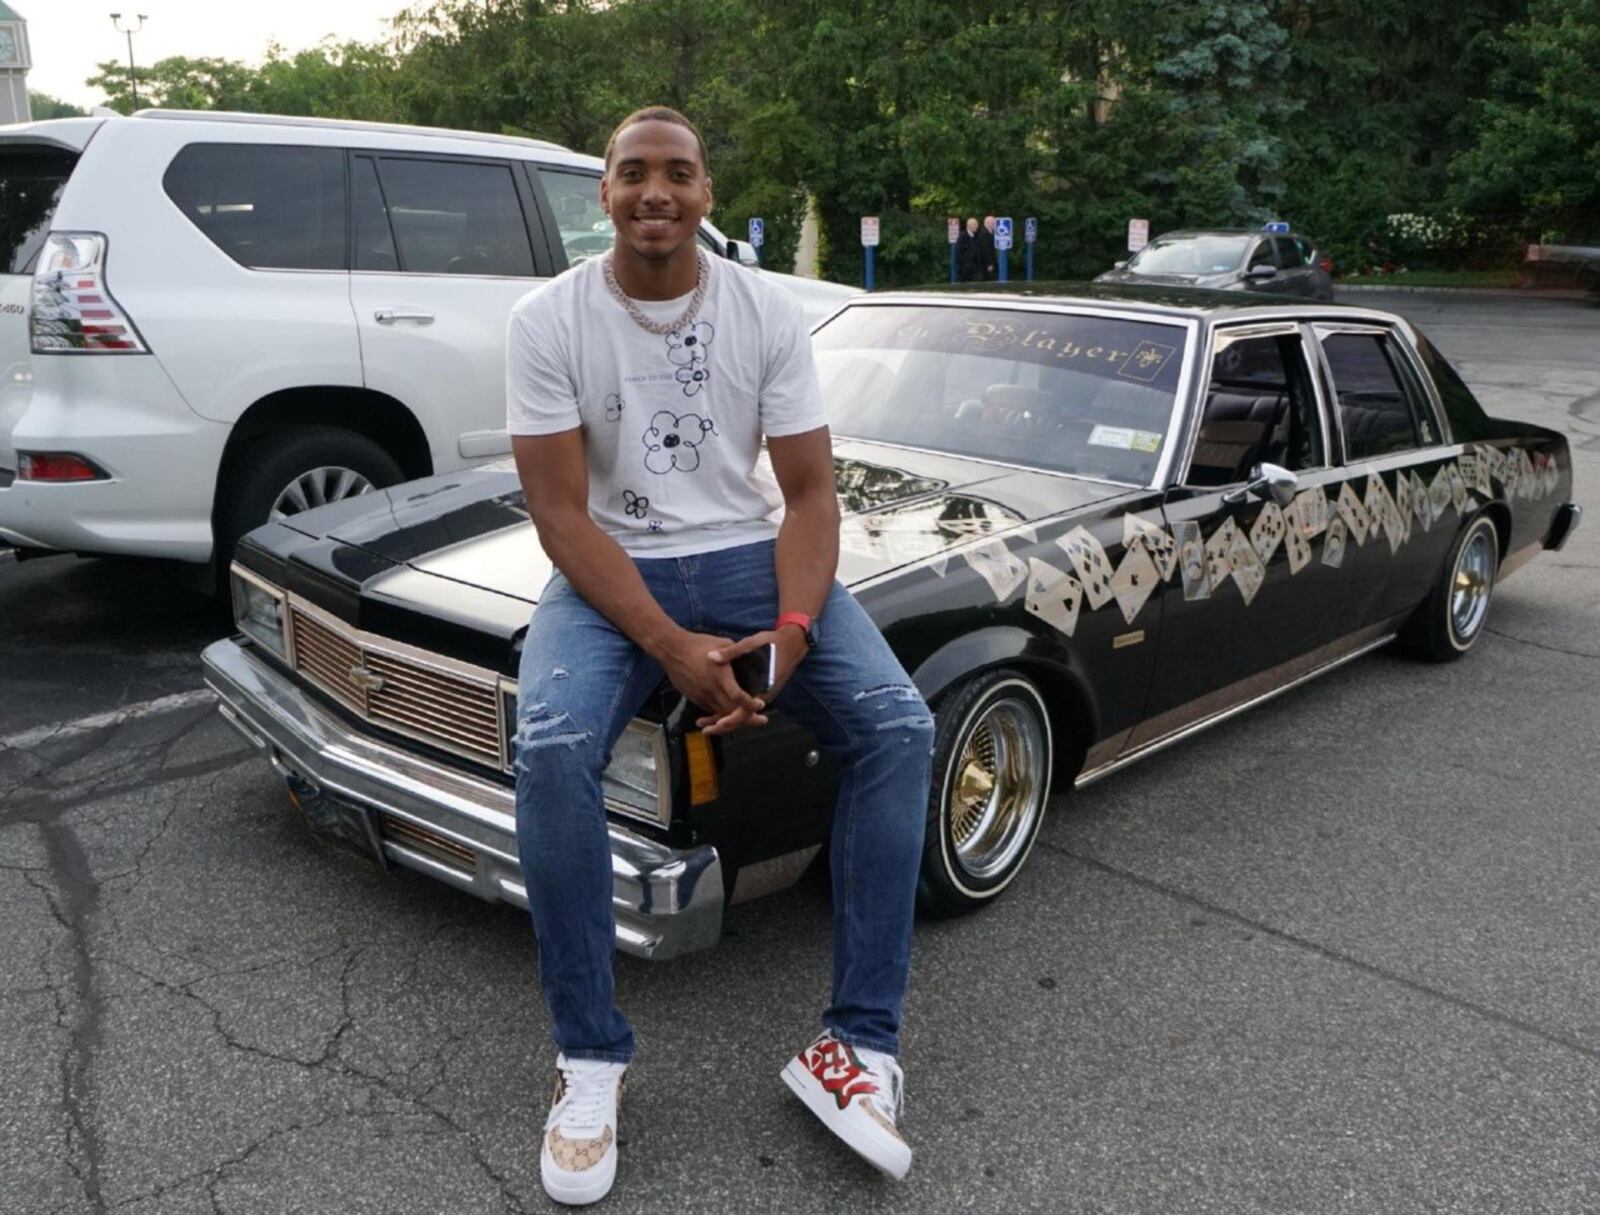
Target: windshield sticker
(1146, 362)
(1125, 438)
(1106, 347)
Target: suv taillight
(72, 311)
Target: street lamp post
(133, 81)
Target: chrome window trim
(439, 663)
(1402, 339)
(1190, 325)
(1240, 331)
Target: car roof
(342, 124)
(1157, 300)
(1189, 233)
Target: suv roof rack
(343, 124)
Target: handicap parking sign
(1030, 229)
(1002, 232)
(758, 232)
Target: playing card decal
(999, 567)
(1089, 560)
(1134, 580)
(1192, 559)
(1054, 595)
(1163, 549)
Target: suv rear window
(265, 206)
(456, 217)
(31, 181)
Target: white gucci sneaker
(578, 1159)
(857, 1093)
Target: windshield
(31, 181)
(1191, 255)
(1090, 395)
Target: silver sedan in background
(1230, 259)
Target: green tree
(1537, 150)
(45, 106)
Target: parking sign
(1002, 232)
(758, 232)
(869, 231)
(1030, 230)
(1138, 234)
(952, 229)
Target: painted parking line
(24, 739)
(7, 554)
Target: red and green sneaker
(857, 1093)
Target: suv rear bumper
(123, 413)
(399, 807)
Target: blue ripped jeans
(582, 681)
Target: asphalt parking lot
(1338, 954)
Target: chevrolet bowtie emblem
(365, 680)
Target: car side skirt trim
(1173, 726)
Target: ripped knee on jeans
(903, 706)
(540, 726)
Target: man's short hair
(658, 113)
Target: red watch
(806, 625)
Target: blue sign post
(1002, 242)
(1030, 237)
(758, 235)
(869, 241)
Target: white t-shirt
(672, 424)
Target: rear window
(31, 182)
(265, 206)
(1073, 393)
(456, 217)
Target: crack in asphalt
(1482, 1011)
(329, 1060)
(1540, 645)
(80, 893)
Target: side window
(267, 207)
(456, 217)
(374, 239)
(575, 200)
(1260, 409)
(1307, 250)
(1261, 255)
(1377, 412)
(1289, 257)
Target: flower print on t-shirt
(688, 349)
(634, 504)
(613, 407)
(673, 441)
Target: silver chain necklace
(702, 280)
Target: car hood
(900, 508)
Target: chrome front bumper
(450, 825)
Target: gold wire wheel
(998, 790)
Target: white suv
(210, 320)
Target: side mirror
(1267, 481)
(742, 252)
(1262, 271)
(1120, 266)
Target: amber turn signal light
(702, 768)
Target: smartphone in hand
(756, 671)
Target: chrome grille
(325, 658)
(429, 843)
(427, 697)
(416, 698)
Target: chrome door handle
(389, 316)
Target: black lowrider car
(1090, 522)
